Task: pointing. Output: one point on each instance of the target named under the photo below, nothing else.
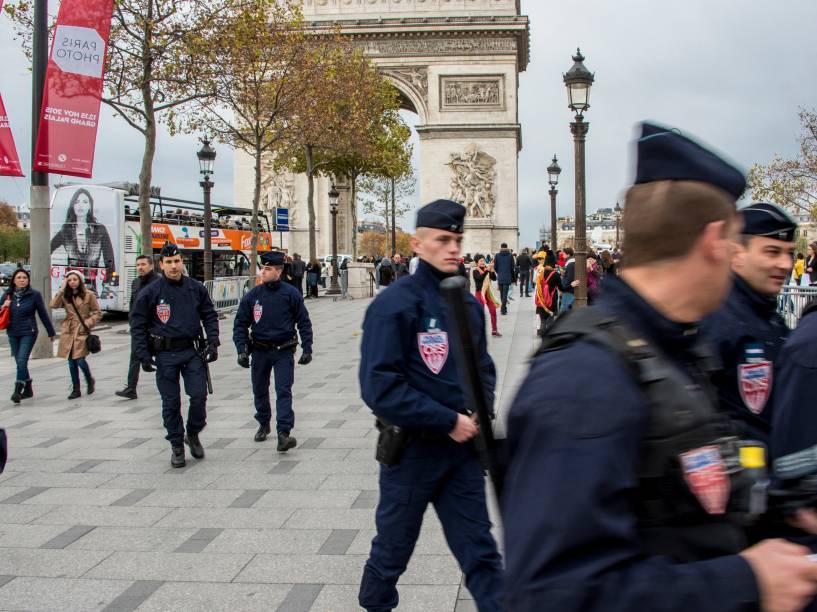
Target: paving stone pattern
(92, 516)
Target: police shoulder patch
(706, 476)
(433, 348)
(257, 311)
(163, 311)
(755, 384)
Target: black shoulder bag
(92, 341)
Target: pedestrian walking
(82, 313)
(24, 304)
(483, 276)
(400, 267)
(525, 264)
(569, 281)
(503, 267)
(166, 332)
(145, 276)
(810, 274)
(748, 332)
(411, 385)
(298, 271)
(265, 339)
(384, 274)
(657, 520)
(547, 284)
(313, 275)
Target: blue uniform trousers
(448, 476)
(283, 364)
(169, 365)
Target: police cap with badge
(273, 258)
(443, 215)
(667, 155)
(769, 220)
(169, 250)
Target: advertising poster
(85, 237)
(73, 87)
(9, 161)
(192, 237)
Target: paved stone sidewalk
(92, 516)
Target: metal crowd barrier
(226, 292)
(792, 301)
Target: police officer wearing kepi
(627, 488)
(410, 382)
(747, 332)
(166, 324)
(264, 328)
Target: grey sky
(731, 72)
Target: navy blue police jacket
(407, 372)
(747, 334)
(271, 311)
(575, 435)
(795, 419)
(172, 309)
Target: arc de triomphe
(456, 64)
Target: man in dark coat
(525, 264)
(503, 266)
(298, 268)
(145, 276)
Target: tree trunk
(146, 171)
(310, 200)
(256, 200)
(353, 215)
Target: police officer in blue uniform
(409, 381)
(165, 325)
(264, 328)
(747, 331)
(626, 487)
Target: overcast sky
(731, 72)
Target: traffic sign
(281, 220)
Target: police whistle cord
(201, 349)
(467, 359)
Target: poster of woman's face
(85, 237)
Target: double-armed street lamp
(617, 210)
(207, 159)
(553, 178)
(578, 81)
(334, 288)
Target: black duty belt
(163, 343)
(273, 346)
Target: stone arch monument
(456, 64)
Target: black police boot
(177, 457)
(127, 393)
(196, 449)
(18, 392)
(91, 385)
(262, 433)
(285, 442)
(75, 392)
(28, 390)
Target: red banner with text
(9, 162)
(73, 88)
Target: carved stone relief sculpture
(278, 191)
(472, 184)
(472, 93)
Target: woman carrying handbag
(82, 313)
(20, 306)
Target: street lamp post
(334, 288)
(207, 158)
(553, 178)
(617, 210)
(578, 81)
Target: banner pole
(40, 242)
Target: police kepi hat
(667, 155)
(763, 219)
(443, 215)
(272, 258)
(169, 250)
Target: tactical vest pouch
(391, 443)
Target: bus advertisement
(95, 229)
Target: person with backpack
(547, 282)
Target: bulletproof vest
(683, 421)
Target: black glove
(305, 359)
(148, 365)
(212, 352)
(244, 360)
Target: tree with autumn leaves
(792, 183)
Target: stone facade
(456, 64)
